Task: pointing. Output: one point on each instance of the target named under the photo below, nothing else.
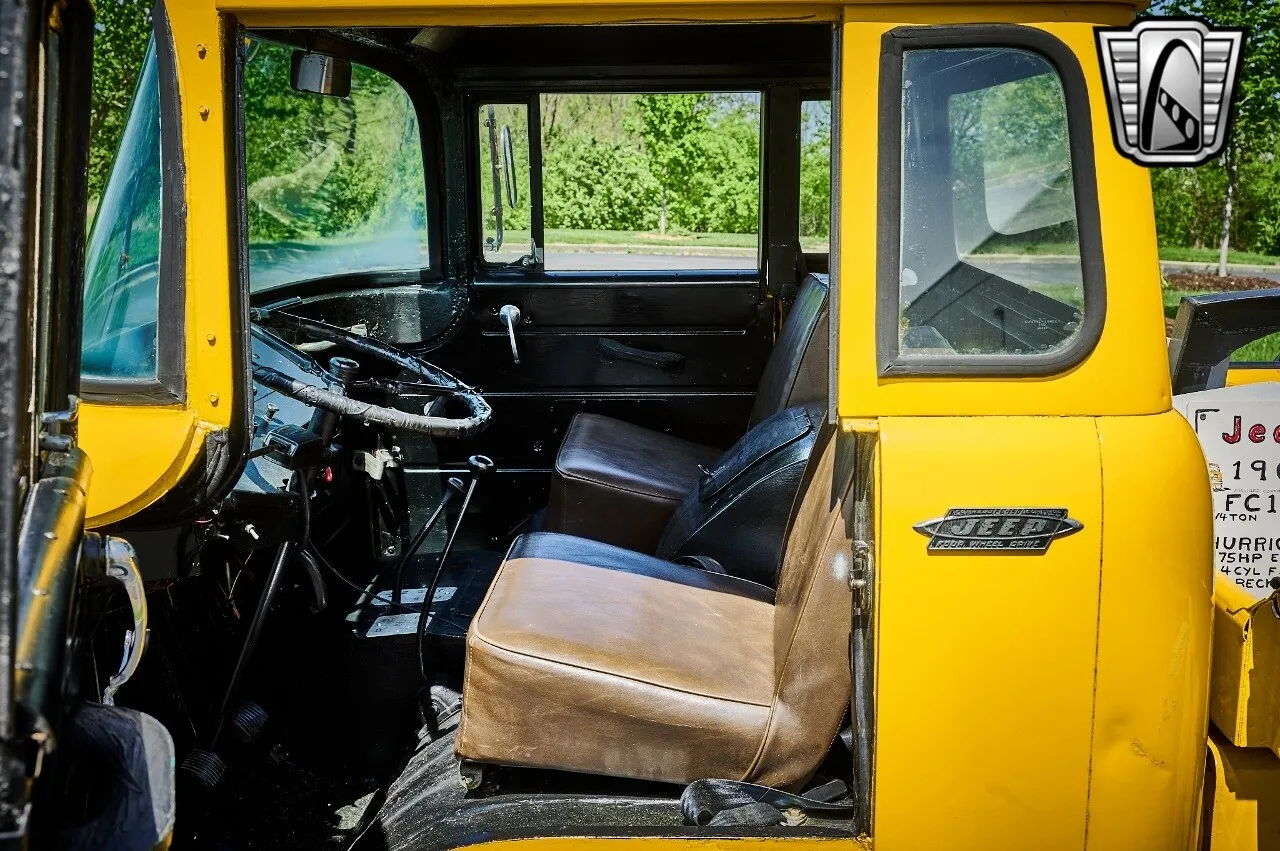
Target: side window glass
(505, 198)
(122, 263)
(335, 185)
(815, 176)
(989, 255)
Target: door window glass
(505, 200)
(335, 185)
(122, 262)
(815, 176)
(989, 254)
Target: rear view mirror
(320, 74)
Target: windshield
(122, 264)
(334, 185)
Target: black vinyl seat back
(797, 370)
(741, 511)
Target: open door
(163, 416)
(1019, 619)
(75, 771)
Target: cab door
(162, 359)
(1041, 538)
(57, 724)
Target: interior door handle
(611, 350)
(510, 316)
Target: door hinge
(58, 428)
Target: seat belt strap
(720, 802)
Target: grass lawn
(684, 240)
(633, 239)
(1210, 255)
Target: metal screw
(204, 113)
(52, 536)
(211, 338)
(213, 398)
(39, 592)
(250, 531)
(272, 410)
(201, 50)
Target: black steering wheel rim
(478, 410)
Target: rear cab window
(621, 181)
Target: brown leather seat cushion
(620, 483)
(588, 658)
(631, 675)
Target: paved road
(591, 261)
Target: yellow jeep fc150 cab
(632, 422)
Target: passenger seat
(620, 483)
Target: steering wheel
(435, 380)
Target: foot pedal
(248, 722)
(204, 767)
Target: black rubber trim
(557, 547)
(170, 383)
(888, 243)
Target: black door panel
(557, 358)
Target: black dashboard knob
(480, 464)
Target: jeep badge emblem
(1022, 529)
(1169, 88)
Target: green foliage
(1189, 202)
(815, 169)
(597, 184)
(122, 31)
(321, 167)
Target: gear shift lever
(477, 465)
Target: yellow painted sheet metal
(1243, 812)
(1153, 635)
(985, 662)
(274, 13)
(1252, 374)
(1127, 373)
(1245, 695)
(682, 843)
(141, 451)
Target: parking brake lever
(510, 316)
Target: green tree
(674, 129)
(1256, 120)
(120, 39)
